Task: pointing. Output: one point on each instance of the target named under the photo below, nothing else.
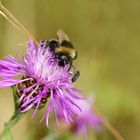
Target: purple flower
(41, 78)
(87, 118)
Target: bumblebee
(64, 52)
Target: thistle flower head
(87, 118)
(41, 78)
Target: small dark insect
(64, 52)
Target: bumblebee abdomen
(67, 50)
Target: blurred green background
(106, 34)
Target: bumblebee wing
(62, 36)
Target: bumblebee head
(63, 59)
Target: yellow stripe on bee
(70, 51)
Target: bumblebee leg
(75, 76)
(44, 43)
(70, 65)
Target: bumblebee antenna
(11, 18)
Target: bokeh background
(106, 34)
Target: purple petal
(9, 82)
(26, 109)
(38, 103)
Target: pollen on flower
(27, 84)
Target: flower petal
(9, 82)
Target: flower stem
(14, 119)
(109, 126)
(16, 116)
